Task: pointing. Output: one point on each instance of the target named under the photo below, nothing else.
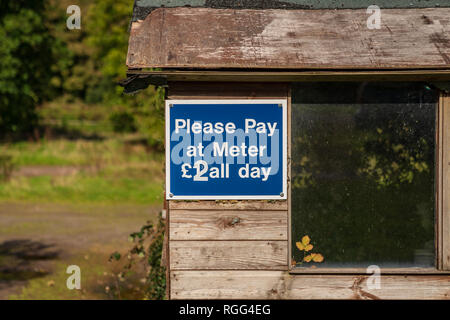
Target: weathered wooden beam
(288, 76)
(228, 225)
(444, 185)
(228, 205)
(290, 39)
(228, 255)
(270, 78)
(138, 79)
(282, 285)
(226, 90)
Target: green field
(80, 159)
(81, 163)
(107, 171)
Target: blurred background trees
(26, 59)
(74, 146)
(42, 61)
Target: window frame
(442, 203)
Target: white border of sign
(283, 102)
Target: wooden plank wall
(290, 39)
(282, 285)
(239, 249)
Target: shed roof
(205, 38)
(143, 7)
(208, 40)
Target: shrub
(6, 167)
(152, 257)
(123, 122)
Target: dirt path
(52, 171)
(38, 241)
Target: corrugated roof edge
(142, 8)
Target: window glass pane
(363, 174)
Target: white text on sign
(219, 127)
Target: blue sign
(226, 149)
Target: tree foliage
(107, 33)
(41, 60)
(26, 59)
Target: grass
(75, 115)
(82, 188)
(106, 171)
(39, 241)
(116, 150)
(104, 167)
(85, 192)
(99, 280)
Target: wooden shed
(367, 162)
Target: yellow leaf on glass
(309, 247)
(308, 258)
(317, 257)
(306, 240)
(300, 246)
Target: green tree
(107, 26)
(107, 33)
(26, 58)
(75, 68)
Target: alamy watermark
(374, 20)
(74, 280)
(74, 20)
(374, 281)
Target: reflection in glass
(363, 173)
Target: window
(363, 175)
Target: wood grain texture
(289, 175)
(290, 39)
(228, 205)
(228, 225)
(273, 76)
(444, 230)
(228, 255)
(439, 179)
(282, 285)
